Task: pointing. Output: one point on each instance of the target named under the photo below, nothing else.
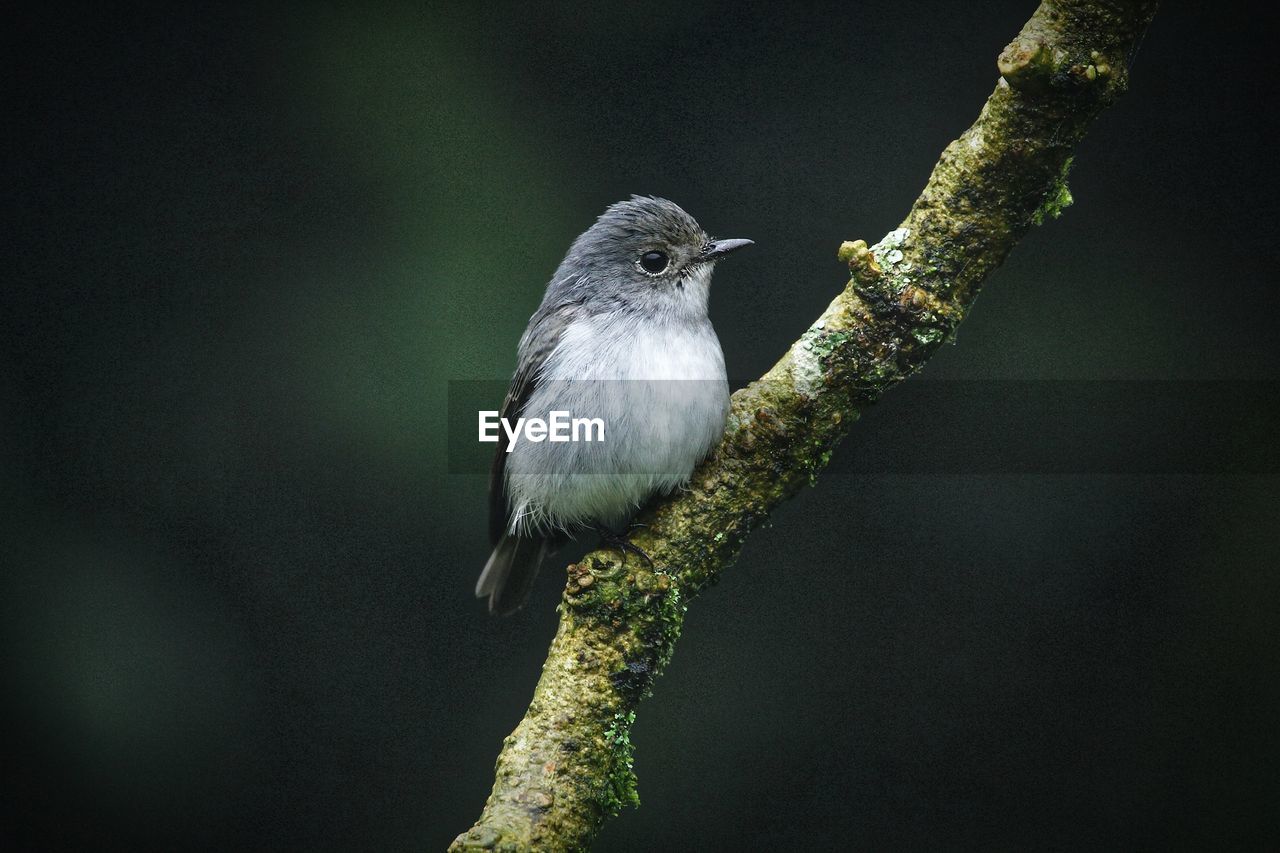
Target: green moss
(817, 464)
(1057, 199)
(820, 345)
(811, 356)
(825, 345)
(621, 783)
(927, 335)
(670, 620)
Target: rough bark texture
(567, 766)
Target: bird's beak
(717, 249)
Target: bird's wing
(540, 339)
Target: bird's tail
(508, 576)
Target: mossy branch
(567, 766)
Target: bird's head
(645, 254)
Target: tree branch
(567, 766)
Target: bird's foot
(619, 541)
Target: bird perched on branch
(622, 336)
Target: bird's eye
(653, 262)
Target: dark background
(247, 251)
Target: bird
(623, 335)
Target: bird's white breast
(658, 384)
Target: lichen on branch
(567, 766)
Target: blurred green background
(248, 249)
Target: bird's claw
(619, 541)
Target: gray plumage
(616, 337)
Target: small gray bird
(622, 335)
